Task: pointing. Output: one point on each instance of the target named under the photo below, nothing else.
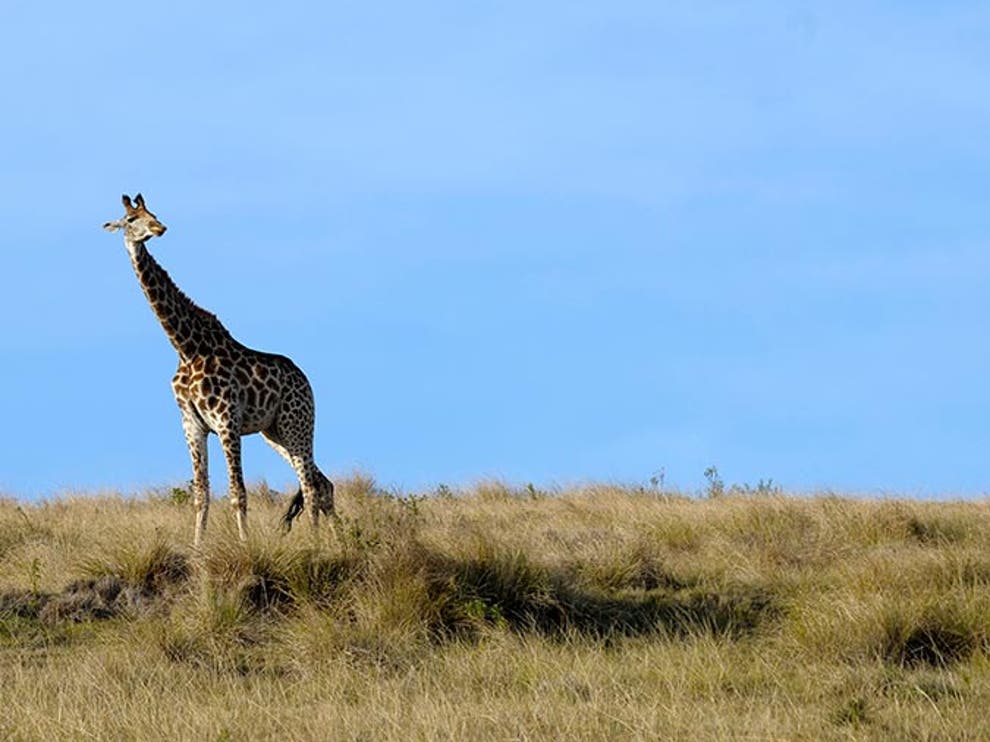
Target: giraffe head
(139, 224)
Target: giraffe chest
(223, 394)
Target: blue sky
(547, 242)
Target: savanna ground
(593, 613)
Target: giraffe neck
(191, 329)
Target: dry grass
(595, 613)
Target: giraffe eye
(130, 219)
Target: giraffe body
(221, 386)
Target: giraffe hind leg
(324, 502)
(291, 435)
(297, 502)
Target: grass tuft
(855, 713)
(938, 637)
(152, 569)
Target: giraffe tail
(324, 502)
(295, 507)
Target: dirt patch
(95, 599)
(91, 600)
(22, 603)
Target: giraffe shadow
(465, 595)
(479, 593)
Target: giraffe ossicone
(226, 388)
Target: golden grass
(596, 613)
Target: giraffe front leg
(196, 434)
(231, 442)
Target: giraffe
(224, 387)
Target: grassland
(594, 613)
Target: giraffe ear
(126, 200)
(139, 200)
